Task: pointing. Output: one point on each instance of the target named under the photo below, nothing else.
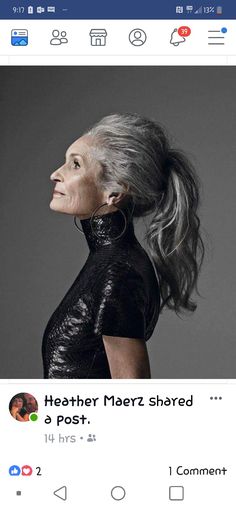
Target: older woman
(124, 167)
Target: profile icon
(137, 37)
(23, 407)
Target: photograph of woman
(122, 169)
(116, 222)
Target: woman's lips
(58, 194)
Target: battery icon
(219, 10)
(30, 9)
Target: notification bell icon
(176, 39)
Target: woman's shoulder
(125, 271)
(130, 276)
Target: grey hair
(138, 160)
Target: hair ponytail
(135, 155)
(173, 236)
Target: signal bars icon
(199, 10)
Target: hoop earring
(92, 218)
(77, 227)
(132, 210)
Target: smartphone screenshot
(117, 213)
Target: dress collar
(103, 230)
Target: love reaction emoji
(26, 470)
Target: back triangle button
(61, 493)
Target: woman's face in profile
(77, 190)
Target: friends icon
(58, 38)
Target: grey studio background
(43, 109)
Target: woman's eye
(76, 164)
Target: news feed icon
(19, 37)
(23, 407)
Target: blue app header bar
(118, 9)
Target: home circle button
(118, 493)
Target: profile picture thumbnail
(24, 407)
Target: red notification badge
(26, 470)
(184, 31)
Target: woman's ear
(114, 198)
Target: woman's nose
(57, 175)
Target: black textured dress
(115, 294)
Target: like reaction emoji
(14, 470)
